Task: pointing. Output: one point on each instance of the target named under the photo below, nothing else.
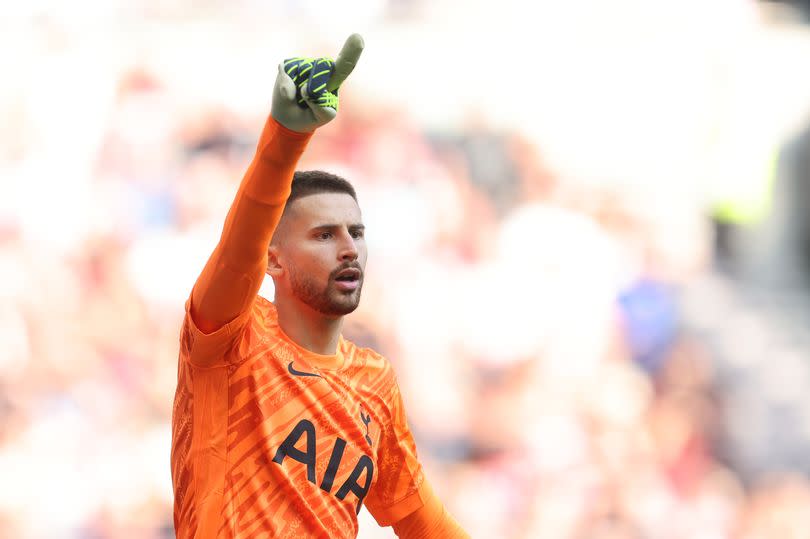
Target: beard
(326, 300)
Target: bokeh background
(588, 242)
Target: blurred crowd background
(588, 244)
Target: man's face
(322, 252)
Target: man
(282, 428)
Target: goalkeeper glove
(305, 92)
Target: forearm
(234, 272)
(442, 527)
(431, 521)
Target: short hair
(313, 182)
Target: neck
(307, 327)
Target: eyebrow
(332, 226)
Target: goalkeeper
(282, 428)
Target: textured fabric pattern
(274, 441)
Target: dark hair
(313, 182)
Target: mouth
(348, 279)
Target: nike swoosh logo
(300, 373)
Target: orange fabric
(269, 439)
(431, 521)
(234, 272)
(231, 419)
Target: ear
(274, 268)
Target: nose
(348, 249)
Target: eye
(357, 234)
(324, 235)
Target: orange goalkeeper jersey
(271, 440)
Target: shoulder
(368, 366)
(264, 310)
(367, 357)
(263, 326)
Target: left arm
(431, 521)
(401, 496)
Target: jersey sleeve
(213, 348)
(400, 488)
(429, 521)
(221, 299)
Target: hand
(305, 92)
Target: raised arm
(303, 100)
(233, 274)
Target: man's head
(318, 252)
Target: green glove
(305, 93)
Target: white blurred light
(16, 350)
(559, 441)
(163, 266)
